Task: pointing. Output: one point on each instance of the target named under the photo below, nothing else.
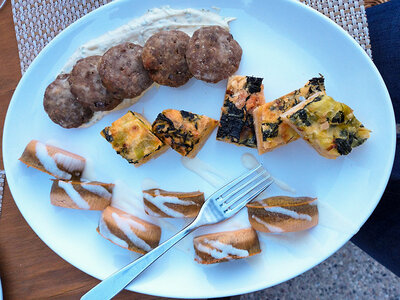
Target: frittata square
(327, 125)
(132, 138)
(243, 95)
(270, 131)
(183, 131)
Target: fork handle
(112, 285)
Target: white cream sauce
(48, 162)
(69, 163)
(139, 30)
(220, 250)
(73, 194)
(126, 226)
(271, 228)
(205, 171)
(98, 190)
(288, 212)
(105, 232)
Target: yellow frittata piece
(183, 131)
(327, 125)
(270, 131)
(132, 138)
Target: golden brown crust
(128, 231)
(164, 204)
(90, 195)
(71, 170)
(283, 214)
(224, 246)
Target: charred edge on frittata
(270, 130)
(347, 142)
(179, 139)
(253, 84)
(108, 137)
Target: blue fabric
(380, 235)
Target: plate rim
(240, 290)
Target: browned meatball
(213, 54)
(122, 72)
(62, 107)
(87, 87)
(164, 56)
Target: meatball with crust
(62, 107)
(164, 56)
(122, 72)
(87, 87)
(213, 54)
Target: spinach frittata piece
(132, 138)
(327, 125)
(243, 95)
(183, 131)
(271, 132)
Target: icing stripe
(98, 190)
(48, 162)
(220, 250)
(271, 228)
(69, 163)
(159, 202)
(290, 213)
(74, 195)
(105, 232)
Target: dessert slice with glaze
(270, 131)
(91, 195)
(53, 160)
(131, 137)
(330, 127)
(283, 214)
(164, 204)
(224, 246)
(183, 131)
(128, 231)
(243, 94)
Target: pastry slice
(52, 160)
(224, 246)
(271, 132)
(132, 138)
(183, 131)
(243, 95)
(128, 231)
(164, 204)
(283, 214)
(327, 125)
(91, 195)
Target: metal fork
(220, 206)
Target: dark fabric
(380, 235)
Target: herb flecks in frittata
(243, 95)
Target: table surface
(28, 268)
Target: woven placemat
(37, 22)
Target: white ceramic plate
(286, 43)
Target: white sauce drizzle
(159, 201)
(73, 194)
(205, 171)
(98, 190)
(138, 31)
(105, 232)
(48, 162)
(288, 212)
(69, 163)
(125, 226)
(220, 250)
(271, 228)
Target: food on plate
(283, 214)
(91, 195)
(52, 160)
(62, 107)
(128, 231)
(164, 204)
(224, 246)
(330, 127)
(121, 71)
(243, 95)
(164, 56)
(213, 54)
(132, 138)
(271, 132)
(88, 88)
(183, 131)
